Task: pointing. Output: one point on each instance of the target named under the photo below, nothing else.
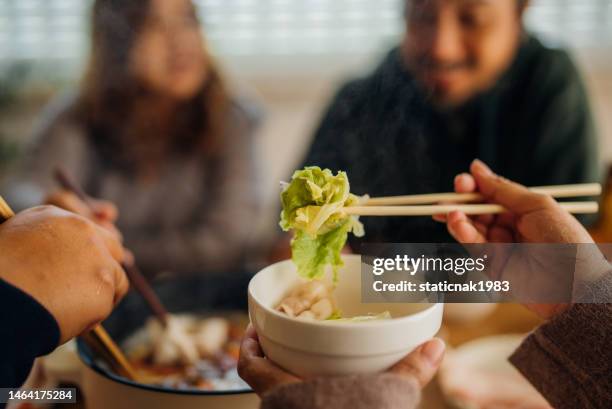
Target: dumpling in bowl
(173, 344)
(211, 336)
(310, 300)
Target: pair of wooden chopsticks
(421, 205)
(98, 339)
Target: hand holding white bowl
(264, 376)
(310, 348)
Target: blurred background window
(56, 30)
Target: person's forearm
(380, 391)
(569, 360)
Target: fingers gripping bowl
(329, 348)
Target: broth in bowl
(202, 296)
(191, 352)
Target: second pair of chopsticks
(421, 205)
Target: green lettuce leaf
(312, 207)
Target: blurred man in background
(467, 81)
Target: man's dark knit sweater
(534, 126)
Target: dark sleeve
(569, 359)
(381, 391)
(28, 330)
(567, 147)
(328, 148)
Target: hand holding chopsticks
(417, 205)
(78, 254)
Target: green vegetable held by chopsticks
(312, 207)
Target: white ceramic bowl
(328, 348)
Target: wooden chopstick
(5, 211)
(469, 209)
(101, 341)
(559, 191)
(133, 272)
(104, 341)
(146, 291)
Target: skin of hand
(102, 212)
(67, 263)
(263, 375)
(532, 218)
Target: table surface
(505, 319)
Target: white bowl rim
(342, 325)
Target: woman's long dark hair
(109, 93)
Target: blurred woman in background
(154, 130)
